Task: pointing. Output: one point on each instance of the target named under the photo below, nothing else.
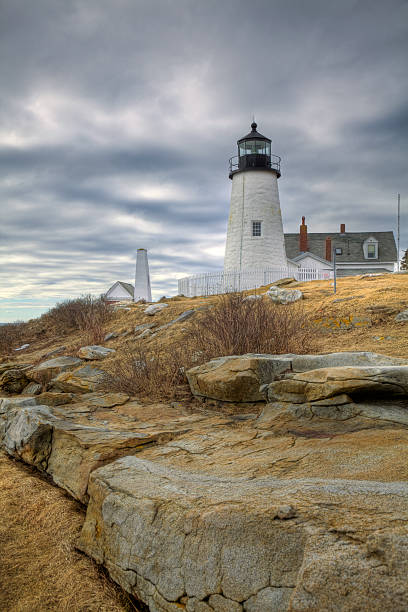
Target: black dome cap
(254, 135)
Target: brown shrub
(235, 326)
(11, 337)
(152, 373)
(87, 314)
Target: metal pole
(398, 234)
(334, 270)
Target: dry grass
(40, 569)
(11, 336)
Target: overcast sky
(117, 119)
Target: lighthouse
(255, 233)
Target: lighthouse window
(256, 228)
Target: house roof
(301, 256)
(350, 242)
(126, 286)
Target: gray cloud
(117, 121)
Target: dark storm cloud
(117, 120)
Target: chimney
(328, 248)
(303, 237)
(342, 228)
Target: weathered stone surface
(13, 381)
(402, 316)
(26, 432)
(32, 388)
(284, 281)
(303, 363)
(143, 326)
(110, 336)
(155, 308)
(325, 383)
(104, 400)
(236, 378)
(56, 351)
(82, 380)
(273, 599)
(52, 367)
(95, 352)
(250, 298)
(183, 532)
(51, 398)
(284, 296)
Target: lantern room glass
(254, 147)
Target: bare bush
(11, 336)
(87, 314)
(154, 373)
(235, 326)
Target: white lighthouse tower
(142, 278)
(255, 232)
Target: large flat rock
(81, 380)
(68, 444)
(178, 538)
(238, 378)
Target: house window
(256, 228)
(339, 251)
(371, 251)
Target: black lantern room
(254, 153)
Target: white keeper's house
(258, 252)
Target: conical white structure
(142, 278)
(255, 232)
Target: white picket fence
(213, 283)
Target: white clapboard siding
(213, 283)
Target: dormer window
(371, 251)
(256, 229)
(370, 248)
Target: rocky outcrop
(155, 308)
(13, 381)
(95, 352)
(236, 378)
(82, 380)
(32, 388)
(177, 538)
(284, 296)
(326, 383)
(69, 444)
(402, 316)
(52, 367)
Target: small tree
(404, 261)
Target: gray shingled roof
(128, 287)
(350, 242)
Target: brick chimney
(303, 236)
(328, 248)
(342, 228)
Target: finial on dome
(254, 126)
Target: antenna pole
(398, 233)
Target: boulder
(110, 335)
(155, 308)
(236, 378)
(82, 380)
(13, 381)
(56, 351)
(32, 388)
(52, 367)
(402, 316)
(284, 296)
(94, 352)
